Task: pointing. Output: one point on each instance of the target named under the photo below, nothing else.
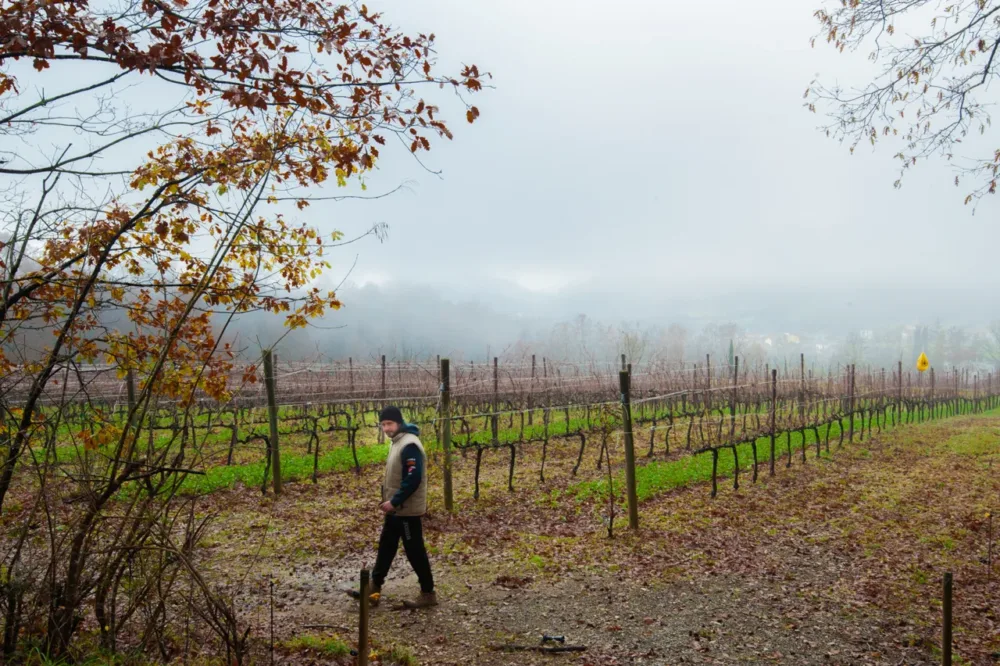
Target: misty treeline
(583, 339)
(376, 323)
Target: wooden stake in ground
(446, 431)
(732, 423)
(989, 547)
(624, 382)
(899, 392)
(494, 419)
(363, 620)
(774, 413)
(272, 414)
(531, 393)
(851, 436)
(130, 391)
(271, 604)
(946, 631)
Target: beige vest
(416, 504)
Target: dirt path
(834, 561)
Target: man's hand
(387, 507)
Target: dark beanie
(391, 413)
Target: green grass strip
(294, 467)
(652, 478)
(656, 477)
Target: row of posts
(624, 379)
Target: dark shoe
(425, 600)
(374, 595)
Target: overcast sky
(653, 161)
(651, 146)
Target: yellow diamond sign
(923, 363)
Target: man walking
(404, 501)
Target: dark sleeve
(413, 472)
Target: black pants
(411, 531)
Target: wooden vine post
(363, 619)
(531, 393)
(774, 413)
(446, 431)
(624, 383)
(732, 423)
(708, 382)
(130, 389)
(850, 437)
(946, 612)
(381, 435)
(494, 421)
(383, 379)
(899, 393)
(272, 416)
(802, 394)
(933, 405)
